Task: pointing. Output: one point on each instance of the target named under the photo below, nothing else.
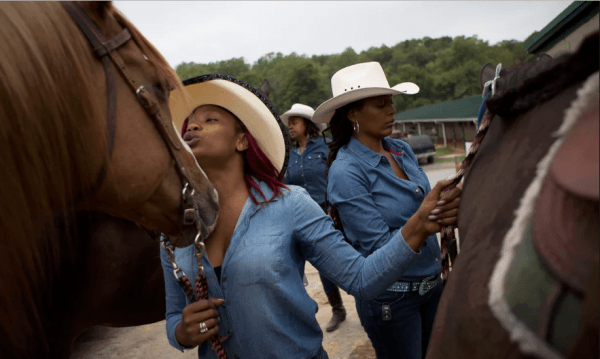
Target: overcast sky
(207, 31)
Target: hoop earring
(356, 127)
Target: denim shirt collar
(311, 140)
(367, 155)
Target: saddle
(566, 220)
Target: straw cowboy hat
(356, 82)
(303, 111)
(241, 99)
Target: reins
(449, 244)
(201, 287)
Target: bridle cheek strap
(105, 50)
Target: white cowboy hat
(244, 101)
(356, 82)
(303, 111)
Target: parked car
(422, 146)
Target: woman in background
(307, 167)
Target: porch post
(444, 134)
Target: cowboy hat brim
(249, 106)
(286, 117)
(326, 110)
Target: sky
(208, 31)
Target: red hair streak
(258, 165)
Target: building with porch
(451, 122)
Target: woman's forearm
(414, 233)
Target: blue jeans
(406, 335)
(322, 354)
(328, 286)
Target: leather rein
(106, 51)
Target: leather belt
(423, 286)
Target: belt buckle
(422, 289)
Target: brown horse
(525, 283)
(56, 154)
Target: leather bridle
(106, 51)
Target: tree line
(445, 69)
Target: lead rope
(201, 287)
(449, 245)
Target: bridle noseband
(106, 52)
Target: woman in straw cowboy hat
(379, 195)
(307, 169)
(255, 256)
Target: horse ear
(544, 58)
(265, 88)
(487, 73)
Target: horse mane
(51, 140)
(528, 86)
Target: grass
(443, 151)
(442, 160)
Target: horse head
(141, 181)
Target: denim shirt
(374, 204)
(307, 169)
(267, 311)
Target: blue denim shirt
(307, 169)
(374, 204)
(267, 310)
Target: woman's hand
(433, 212)
(204, 311)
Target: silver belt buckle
(424, 287)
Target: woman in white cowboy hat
(308, 163)
(255, 256)
(379, 193)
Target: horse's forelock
(45, 135)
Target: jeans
(406, 335)
(322, 354)
(328, 286)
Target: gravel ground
(150, 341)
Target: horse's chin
(188, 235)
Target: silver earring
(356, 127)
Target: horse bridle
(105, 50)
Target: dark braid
(341, 131)
(528, 87)
(311, 129)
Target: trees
(445, 69)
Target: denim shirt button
(224, 278)
(417, 190)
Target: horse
(525, 283)
(75, 137)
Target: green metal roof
(464, 108)
(575, 15)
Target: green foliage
(444, 68)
